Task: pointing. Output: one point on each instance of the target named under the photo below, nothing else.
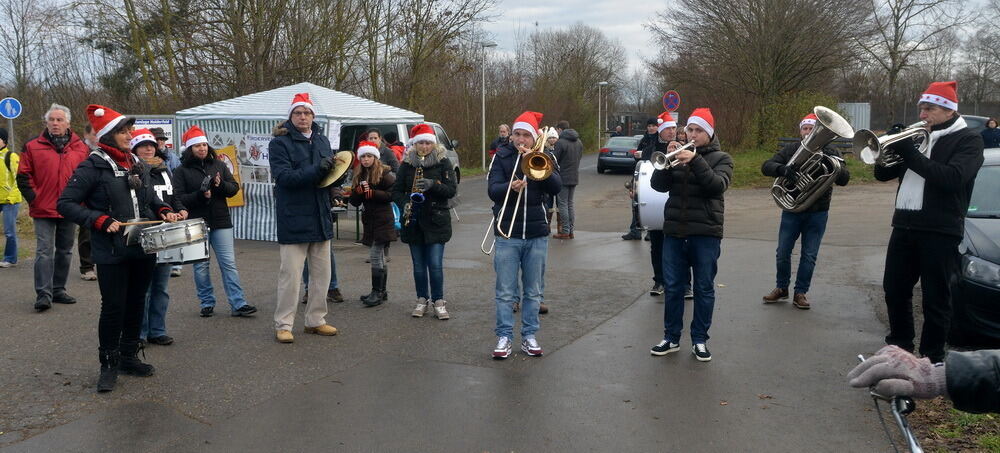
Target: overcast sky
(621, 20)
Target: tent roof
(273, 105)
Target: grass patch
(990, 442)
(939, 427)
(468, 172)
(746, 171)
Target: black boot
(375, 298)
(382, 285)
(109, 371)
(130, 363)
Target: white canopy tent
(247, 122)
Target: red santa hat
(366, 147)
(193, 136)
(944, 94)
(809, 119)
(421, 133)
(664, 121)
(704, 119)
(528, 121)
(140, 136)
(303, 100)
(103, 119)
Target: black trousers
(933, 259)
(123, 300)
(656, 254)
(83, 250)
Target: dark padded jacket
(187, 187)
(974, 380)
(95, 191)
(696, 205)
(649, 144)
(377, 218)
(530, 222)
(782, 157)
(569, 152)
(431, 224)
(949, 176)
(302, 210)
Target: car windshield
(622, 142)
(985, 202)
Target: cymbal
(342, 163)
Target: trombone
(535, 164)
(663, 161)
(875, 150)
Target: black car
(619, 153)
(976, 293)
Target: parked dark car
(976, 293)
(619, 153)
(976, 123)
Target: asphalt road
(390, 382)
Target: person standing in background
(10, 200)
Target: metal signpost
(10, 108)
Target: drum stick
(146, 222)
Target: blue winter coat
(530, 223)
(302, 210)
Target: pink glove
(895, 372)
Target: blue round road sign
(671, 101)
(10, 108)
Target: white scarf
(911, 191)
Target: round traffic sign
(10, 108)
(671, 101)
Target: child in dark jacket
(372, 188)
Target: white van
(351, 134)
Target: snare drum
(184, 255)
(173, 235)
(651, 203)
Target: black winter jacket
(649, 144)
(696, 204)
(376, 218)
(949, 176)
(772, 166)
(569, 152)
(431, 223)
(187, 187)
(974, 380)
(530, 222)
(95, 191)
(163, 185)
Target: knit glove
(205, 184)
(326, 164)
(424, 183)
(895, 372)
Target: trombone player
(522, 232)
(810, 223)
(935, 184)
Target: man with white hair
(47, 163)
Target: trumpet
(416, 197)
(535, 165)
(663, 161)
(875, 150)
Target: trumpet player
(429, 225)
(810, 224)
(692, 232)
(521, 235)
(935, 184)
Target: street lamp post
(485, 45)
(600, 85)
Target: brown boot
(800, 301)
(542, 308)
(776, 295)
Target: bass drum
(650, 202)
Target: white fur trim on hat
(195, 140)
(525, 127)
(807, 121)
(141, 138)
(665, 124)
(302, 103)
(368, 149)
(702, 123)
(423, 137)
(939, 100)
(107, 127)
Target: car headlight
(981, 271)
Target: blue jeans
(681, 256)
(221, 240)
(527, 257)
(333, 272)
(811, 225)
(154, 318)
(428, 264)
(10, 231)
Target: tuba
(875, 150)
(816, 170)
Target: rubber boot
(109, 370)
(375, 297)
(130, 363)
(382, 286)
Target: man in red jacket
(47, 163)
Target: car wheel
(600, 168)
(458, 176)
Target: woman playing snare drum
(107, 189)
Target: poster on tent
(333, 132)
(228, 156)
(255, 147)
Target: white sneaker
(439, 310)
(503, 348)
(88, 276)
(5, 264)
(418, 311)
(530, 346)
